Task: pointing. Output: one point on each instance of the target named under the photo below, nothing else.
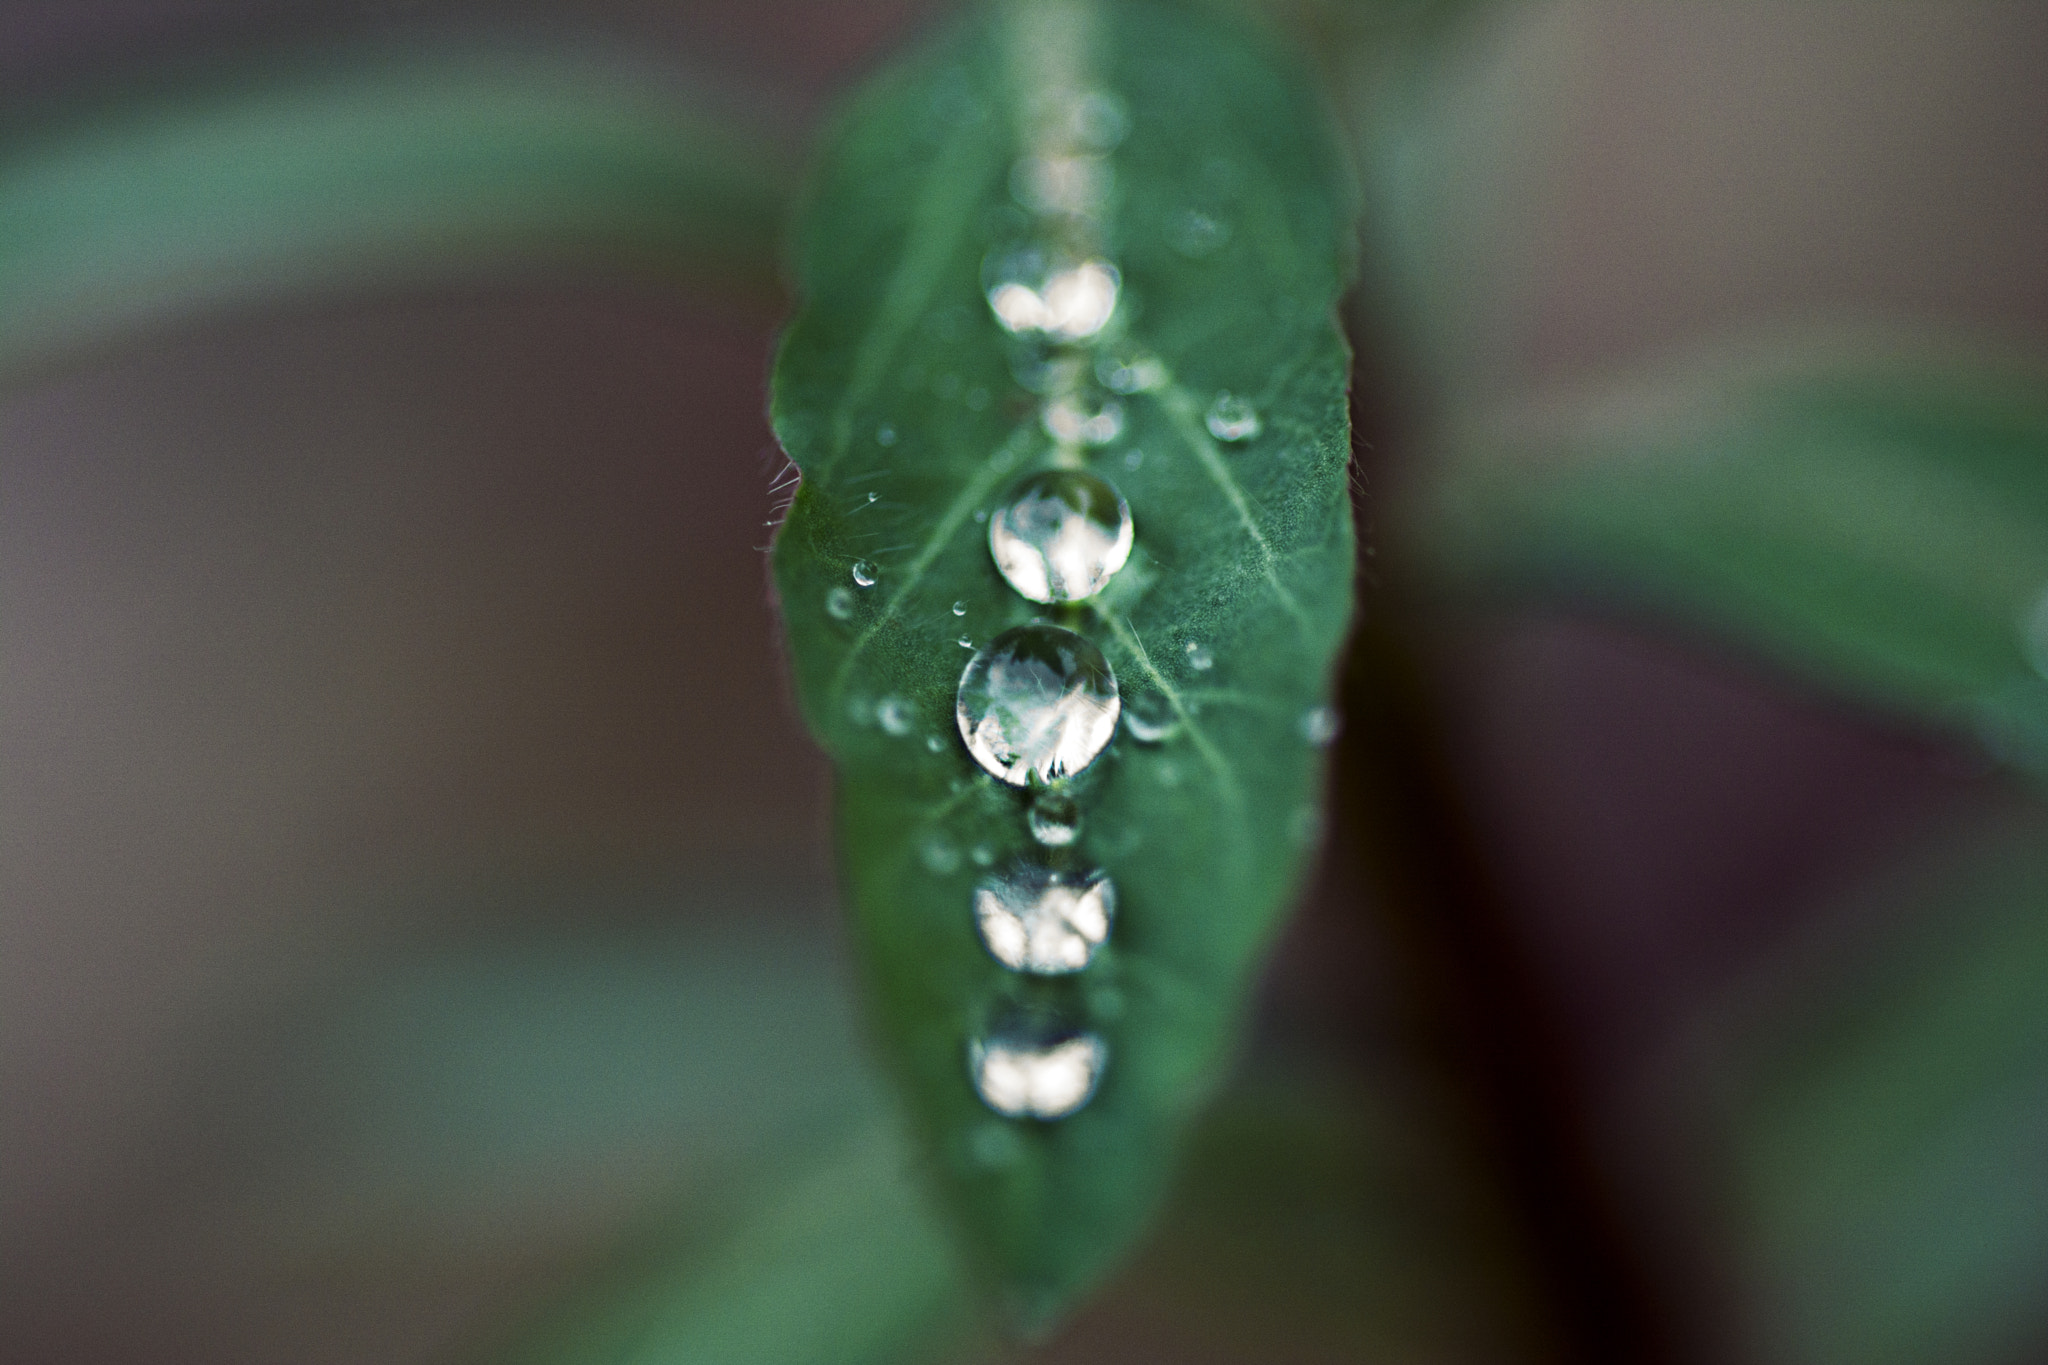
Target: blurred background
(416, 904)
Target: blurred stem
(1474, 1003)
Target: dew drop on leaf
(1030, 294)
(839, 603)
(1036, 1070)
(1061, 536)
(965, 642)
(1130, 374)
(1073, 422)
(1134, 458)
(863, 571)
(1037, 702)
(934, 743)
(1320, 724)
(893, 714)
(885, 435)
(1054, 819)
(1099, 120)
(1199, 657)
(960, 608)
(1036, 919)
(938, 856)
(1231, 418)
(1148, 719)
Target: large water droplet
(1029, 294)
(1035, 919)
(863, 574)
(1036, 1069)
(1320, 724)
(1055, 819)
(1071, 421)
(839, 603)
(1061, 536)
(1231, 418)
(1036, 702)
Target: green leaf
(1886, 1096)
(899, 397)
(1877, 523)
(368, 171)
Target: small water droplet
(965, 642)
(1196, 234)
(873, 497)
(863, 574)
(960, 608)
(1035, 1068)
(1055, 819)
(934, 743)
(839, 603)
(1231, 418)
(1069, 420)
(1037, 701)
(1035, 919)
(981, 516)
(1148, 719)
(1168, 774)
(939, 857)
(1130, 374)
(1320, 724)
(885, 435)
(1099, 119)
(983, 855)
(893, 714)
(1030, 294)
(1061, 536)
(1199, 657)
(1076, 185)
(1134, 458)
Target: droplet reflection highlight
(1026, 1076)
(1034, 919)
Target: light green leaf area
(1214, 191)
(1880, 526)
(372, 169)
(1887, 1135)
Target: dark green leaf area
(1879, 524)
(912, 413)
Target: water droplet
(983, 855)
(1028, 294)
(873, 496)
(1069, 420)
(839, 603)
(1148, 719)
(965, 642)
(1320, 724)
(893, 713)
(1231, 418)
(1062, 536)
(1196, 234)
(1168, 774)
(1133, 458)
(1035, 919)
(885, 435)
(1199, 657)
(960, 608)
(1098, 119)
(1037, 701)
(1036, 1069)
(939, 857)
(1130, 374)
(1055, 819)
(1077, 185)
(863, 574)
(934, 743)
(981, 516)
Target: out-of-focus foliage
(1883, 1125)
(374, 170)
(1878, 525)
(1227, 218)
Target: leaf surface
(1878, 523)
(910, 411)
